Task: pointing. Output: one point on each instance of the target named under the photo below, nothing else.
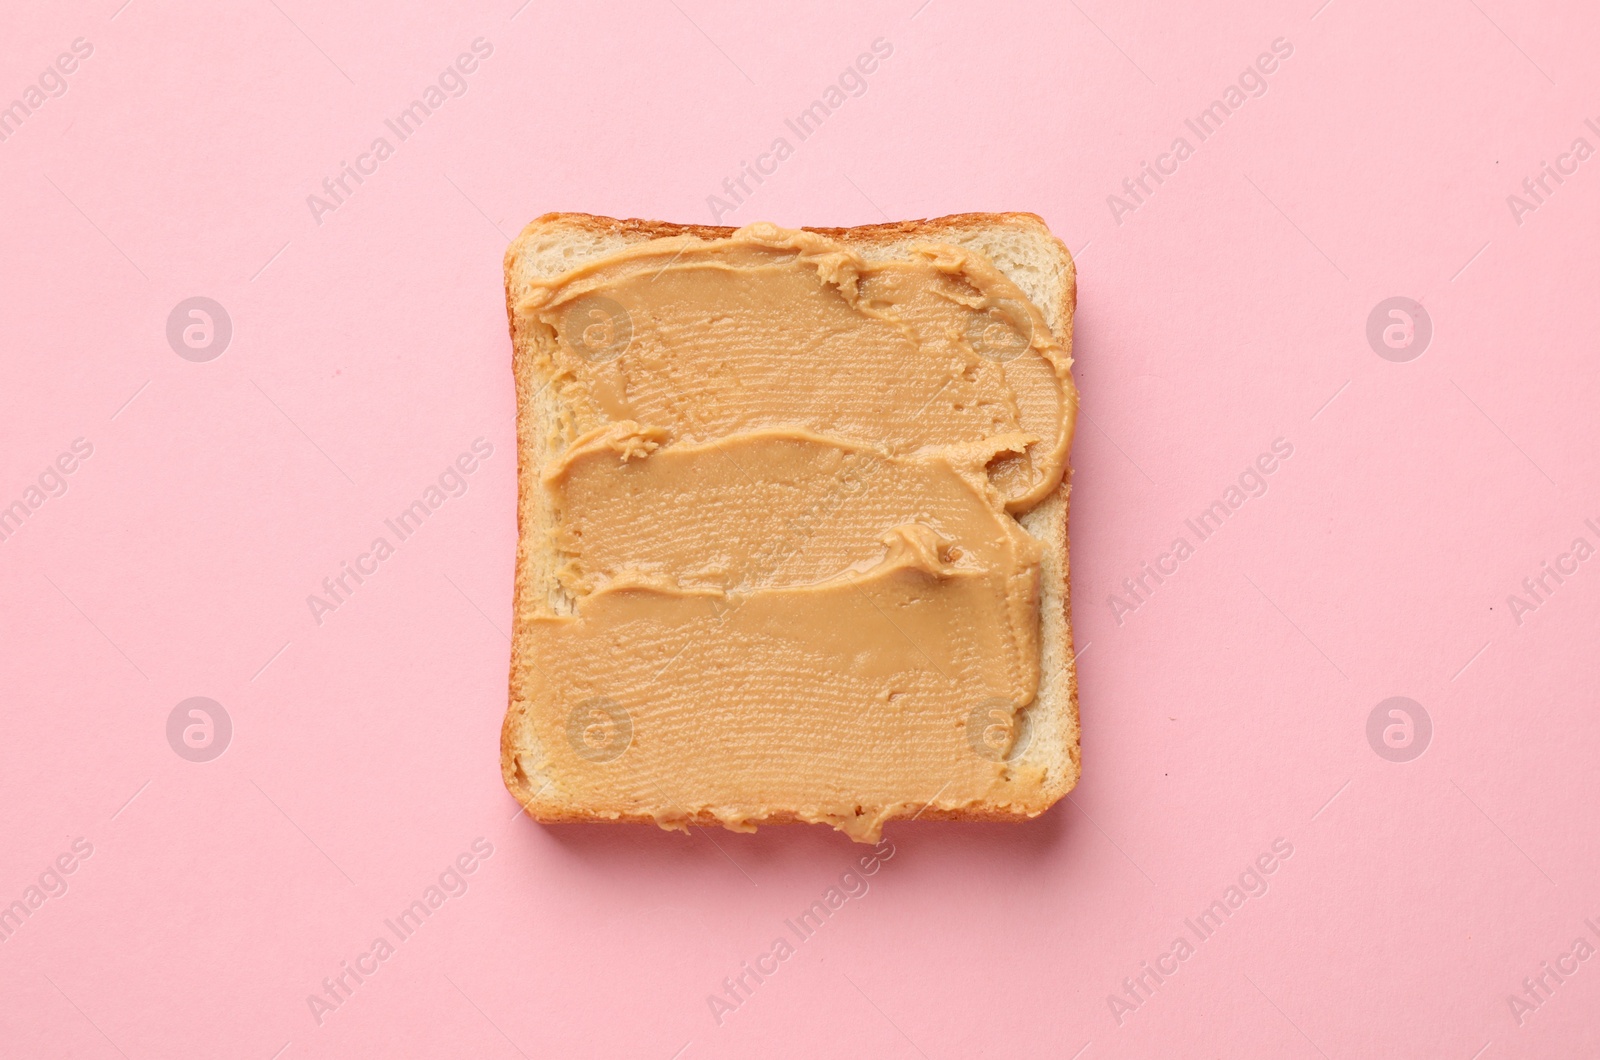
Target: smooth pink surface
(1228, 711)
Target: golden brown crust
(930, 228)
(938, 229)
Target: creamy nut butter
(782, 492)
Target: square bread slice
(1023, 249)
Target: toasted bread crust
(926, 228)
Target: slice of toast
(1024, 250)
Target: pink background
(1228, 711)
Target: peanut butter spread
(788, 580)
